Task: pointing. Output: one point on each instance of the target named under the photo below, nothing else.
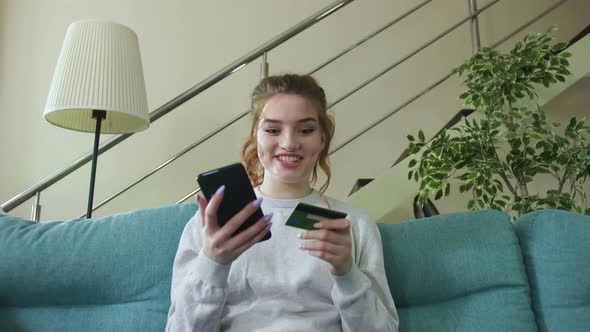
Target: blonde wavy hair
(302, 85)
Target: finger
(253, 240)
(244, 237)
(333, 224)
(211, 209)
(202, 202)
(339, 265)
(327, 235)
(237, 220)
(337, 250)
(325, 256)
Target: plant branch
(500, 170)
(561, 183)
(524, 192)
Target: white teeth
(289, 159)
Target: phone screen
(238, 194)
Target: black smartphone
(238, 194)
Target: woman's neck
(284, 190)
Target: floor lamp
(98, 85)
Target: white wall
(183, 42)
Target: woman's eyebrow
(298, 121)
(307, 120)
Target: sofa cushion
(104, 274)
(556, 245)
(458, 272)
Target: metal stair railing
(473, 17)
(36, 189)
(245, 113)
(370, 36)
(444, 78)
(466, 112)
(430, 87)
(408, 56)
(383, 72)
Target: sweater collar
(314, 196)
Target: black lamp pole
(99, 116)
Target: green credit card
(305, 216)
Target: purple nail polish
(268, 225)
(257, 203)
(220, 190)
(198, 198)
(268, 217)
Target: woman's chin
(291, 178)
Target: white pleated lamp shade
(99, 68)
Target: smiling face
(289, 139)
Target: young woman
(328, 279)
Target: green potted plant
(496, 156)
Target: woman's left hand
(330, 242)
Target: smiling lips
(288, 161)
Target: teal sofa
(471, 271)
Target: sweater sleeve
(199, 285)
(362, 295)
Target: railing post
(36, 210)
(475, 37)
(264, 67)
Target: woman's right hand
(217, 242)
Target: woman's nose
(290, 142)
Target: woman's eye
(307, 130)
(271, 130)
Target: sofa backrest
(116, 271)
(454, 272)
(556, 247)
(458, 272)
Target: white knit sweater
(274, 286)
